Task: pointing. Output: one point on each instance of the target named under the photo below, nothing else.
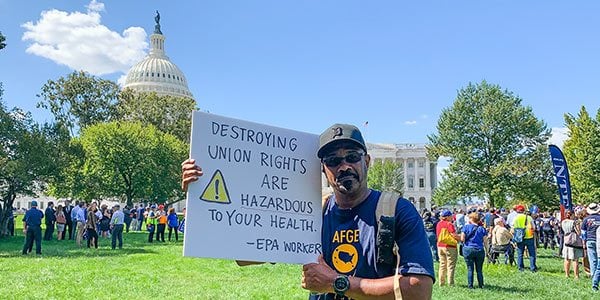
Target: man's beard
(345, 182)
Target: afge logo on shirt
(345, 255)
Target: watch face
(341, 284)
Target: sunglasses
(334, 161)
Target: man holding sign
(348, 267)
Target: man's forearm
(362, 288)
(412, 287)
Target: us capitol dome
(156, 73)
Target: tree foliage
(492, 141)
(123, 163)
(76, 101)
(386, 176)
(582, 152)
(534, 180)
(131, 161)
(80, 100)
(69, 180)
(2, 41)
(25, 158)
(167, 113)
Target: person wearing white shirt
(81, 218)
(510, 218)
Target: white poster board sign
(260, 196)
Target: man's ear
(368, 160)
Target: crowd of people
(87, 222)
(480, 233)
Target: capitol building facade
(420, 174)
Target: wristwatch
(341, 284)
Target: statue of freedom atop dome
(157, 26)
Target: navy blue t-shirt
(33, 217)
(349, 240)
(590, 223)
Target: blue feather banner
(562, 177)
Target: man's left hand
(318, 277)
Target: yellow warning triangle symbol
(216, 190)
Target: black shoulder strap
(574, 228)
(387, 250)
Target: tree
(80, 100)
(132, 161)
(489, 136)
(386, 176)
(167, 113)
(582, 152)
(534, 180)
(69, 180)
(25, 158)
(2, 41)
(77, 101)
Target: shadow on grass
(547, 255)
(500, 289)
(133, 243)
(80, 252)
(506, 289)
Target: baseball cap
(340, 132)
(34, 203)
(446, 213)
(520, 208)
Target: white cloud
(412, 122)
(559, 136)
(424, 116)
(95, 6)
(80, 41)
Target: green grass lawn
(142, 270)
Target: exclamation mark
(217, 189)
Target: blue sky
(304, 65)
